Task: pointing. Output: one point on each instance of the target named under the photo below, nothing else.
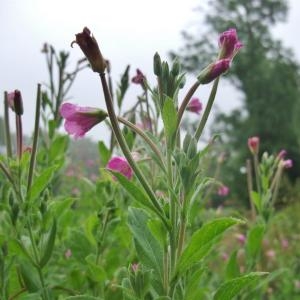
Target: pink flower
(271, 253)
(253, 144)
(214, 70)
(224, 256)
(120, 164)
(68, 253)
(79, 120)
(195, 106)
(284, 243)
(223, 190)
(139, 77)
(287, 163)
(229, 43)
(241, 238)
(135, 267)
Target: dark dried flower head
(90, 48)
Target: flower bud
(15, 102)
(213, 71)
(229, 44)
(253, 144)
(175, 68)
(157, 64)
(90, 48)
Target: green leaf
(202, 241)
(192, 290)
(150, 253)
(48, 245)
(58, 148)
(232, 267)
(82, 297)
(29, 277)
(169, 116)
(254, 240)
(256, 200)
(41, 182)
(158, 230)
(136, 192)
(95, 272)
(104, 153)
(232, 287)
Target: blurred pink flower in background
(282, 153)
(223, 190)
(241, 238)
(229, 43)
(287, 164)
(120, 164)
(68, 253)
(194, 106)
(253, 144)
(79, 120)
(135, 267)
(284, 243)
(224, 256)
(271, 253)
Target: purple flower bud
(213, 71)
(194, 106)
(15, 102)
(282, 154)
(90, 48)
(120, 164)
(79, 120)
(139, 77)
(229, 43)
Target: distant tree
(264, 71)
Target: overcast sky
(129, 32)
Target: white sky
(128, 32)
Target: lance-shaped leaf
(135, 191)
(48, 244)
(203, 240)
(169, 116)
(150, 253)
(232, 287)
(41, 182)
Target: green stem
(207, 109)
(275, 185)
(257, 173)
(144, 136)
(105, 222)
(19, 135)
(148, 110)
(7, 127)
(35, 138)
(250, 188)
(166, 270)
(186, 101)
(173, 229)
(126, 151)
